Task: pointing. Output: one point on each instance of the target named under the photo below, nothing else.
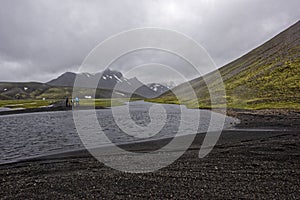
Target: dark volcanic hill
(67, 79)
(266, 77)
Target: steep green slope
(266, 77)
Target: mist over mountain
(266, 76)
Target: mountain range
(62, 86)
(109, 79)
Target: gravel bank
(244, 164)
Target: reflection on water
(34, 134)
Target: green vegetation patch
(103, 102)
(13, 104)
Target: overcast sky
(40, 39)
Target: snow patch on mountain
(158, 88)
(118, 79)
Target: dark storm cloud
(40, 39)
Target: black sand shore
(251, 164)
(244, 164)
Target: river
(36, 134)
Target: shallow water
(34, 134)
(4, 109)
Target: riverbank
(283, 118)
(244, 164)
(48, 109)
(9, 107)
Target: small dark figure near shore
(67, 102)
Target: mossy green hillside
(266, 77)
